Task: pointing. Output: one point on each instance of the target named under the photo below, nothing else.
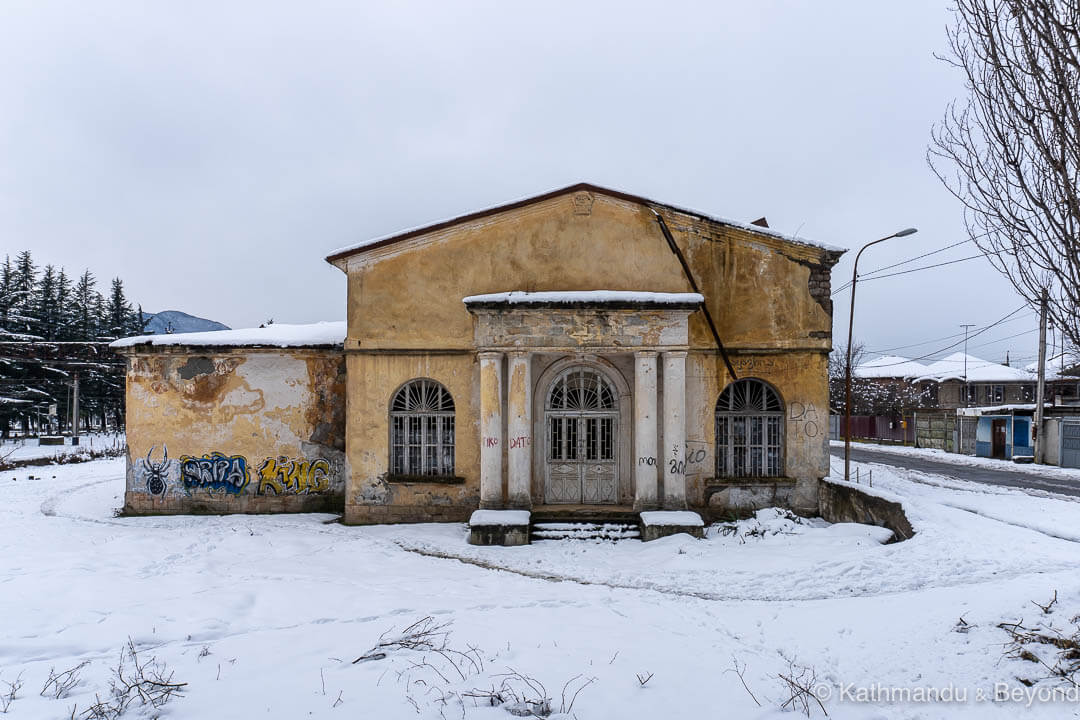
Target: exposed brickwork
(821, 285)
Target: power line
(949, 347)
(1008, 337)
(933, 340)
(919, 257)
(905, 272)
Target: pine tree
(83, 314)
(101, 318)
(63, 306)
(7, 290)
(23, 295)
(45, 312)
(139, 321)
(118, 312)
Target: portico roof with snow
(607, 298)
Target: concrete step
(584, 531)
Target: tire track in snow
(646, 586)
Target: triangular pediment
(583, 193)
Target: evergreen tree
(83, 313)
(118, 312)
(7, 291)
(101, 319)
(23, 296)
(63, 306)
(45, 308)
(139, 321)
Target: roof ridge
(384, 240)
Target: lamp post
(851, 326)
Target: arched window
(422, 430)
(749, 431)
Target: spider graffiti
(157, 472)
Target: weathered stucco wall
(762, 292)
(801, 381)
(245, 430)
(372, 496)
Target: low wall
(842, 502)
(241, 430)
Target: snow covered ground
(29, 449)
(1049, 471)
(262, 616)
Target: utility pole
(75, 411)
(967, 394)
(1041, 390)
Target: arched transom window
(581, 389)
(422, 430)
(581, 414)
(749, 431)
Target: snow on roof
(976, 369)
(890, 366)
(1058, 367)
(430, 227)
(276, 335)
(520, 297)
(991, 409)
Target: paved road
(1005, 476)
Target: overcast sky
(211, 154)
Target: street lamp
(851, 325)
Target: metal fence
(881, 428)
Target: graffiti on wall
(214, 472)
(281, 476)
(157, 473)
(805, 419)
(153, 477)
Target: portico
(582, 410)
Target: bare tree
(1011, 152)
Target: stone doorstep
(513, 533)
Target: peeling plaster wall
(246, 431)
(758, 288)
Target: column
(491, 439)
(519, 432)
(645, 455)
(674, 468)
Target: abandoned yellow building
(584, 348)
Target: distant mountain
(179, 322)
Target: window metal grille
(749, 434)
(422, 430)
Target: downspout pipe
(693, 284)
